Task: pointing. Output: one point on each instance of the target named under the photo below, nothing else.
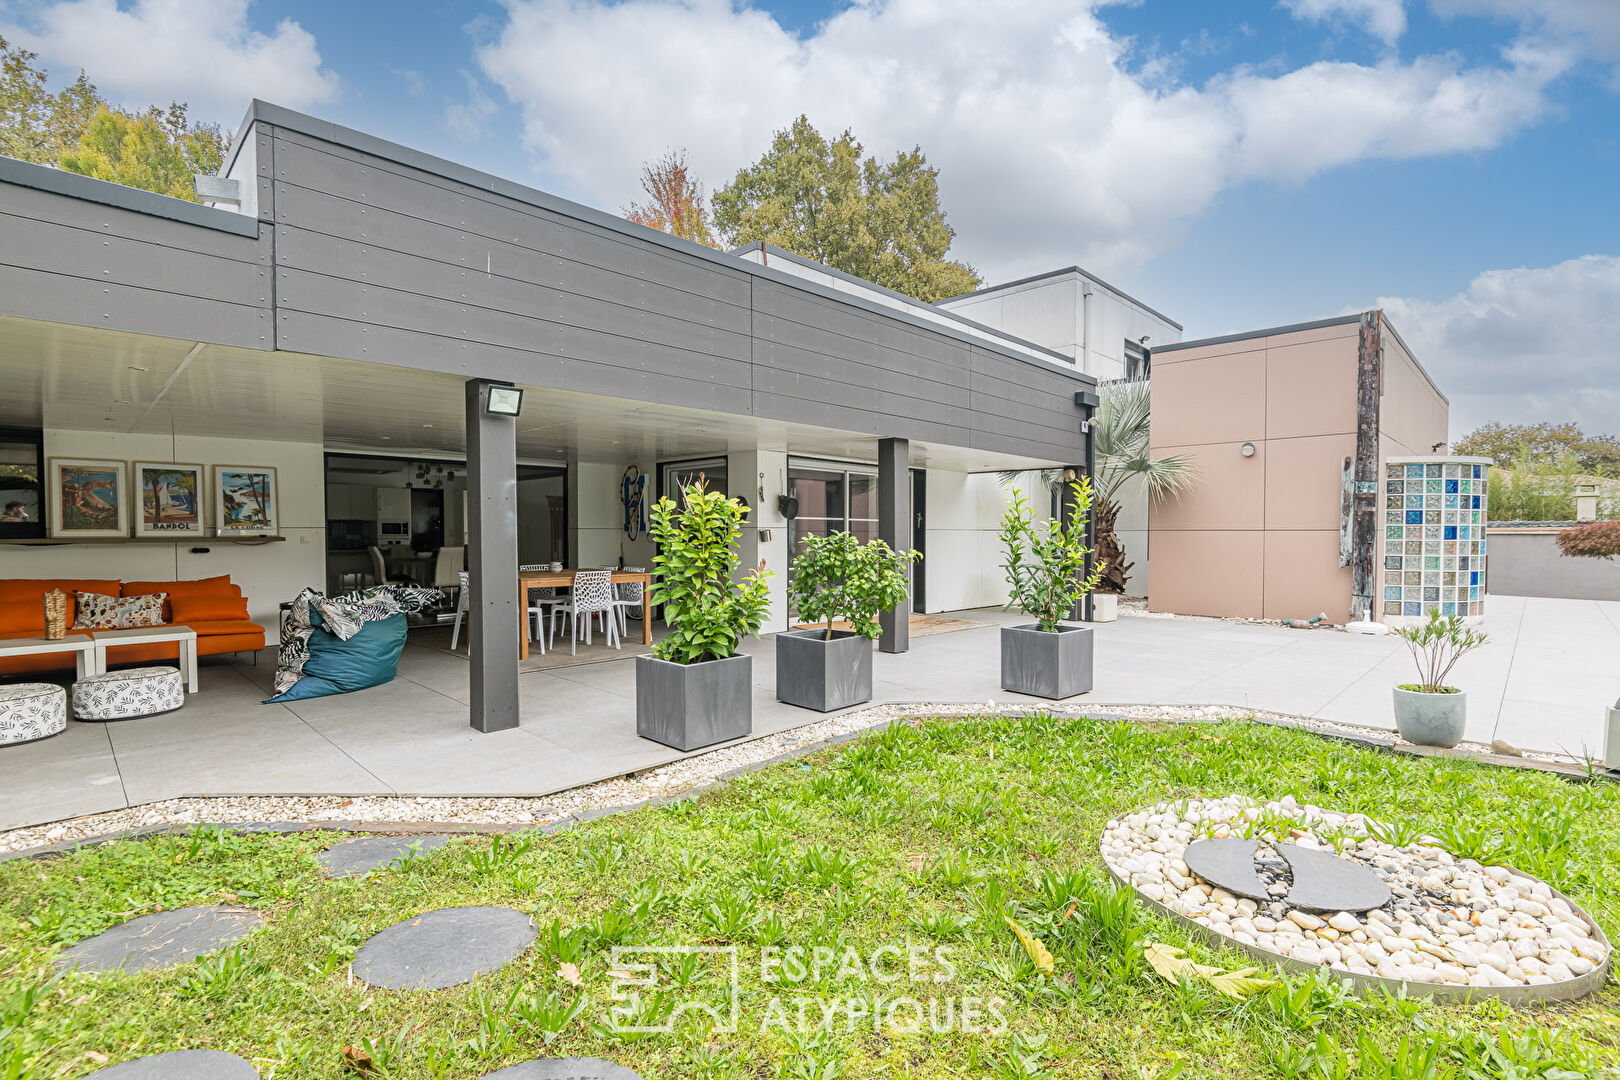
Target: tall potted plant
(837, 576)
(695, 688)
(1046, 575)
(1429, 712)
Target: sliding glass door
(833, 497)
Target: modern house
(1290, 429)
(344, 315)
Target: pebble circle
(564, 1069)
(351, 858)
(443, 948)
(1450, 921)
(160, 940)
(181, 1065)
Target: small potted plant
(1429, 712)
(837, 576)
(696, 688)
(1046, 576)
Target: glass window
(22, 513)
(831, 499)
(680, 475)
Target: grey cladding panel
(777, 382)
(106, 257)
(850, 354)
(80, 302)
(110, 220)
(810, 364)
(328, 336)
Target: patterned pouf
(31, 710)
(124, 695)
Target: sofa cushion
(224, 626)
(95, 611)
(207, 593)
(22, 600)
(213, 606)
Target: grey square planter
(815, 673)
(1049, 665)
(691, 705)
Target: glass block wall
(1434, 538)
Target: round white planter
(1430, 719)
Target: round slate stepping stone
(1326, 882)
(181, 1065)
(1228, 863)
(160, 940)
(564, 1069)
(443, 948)
(350, 858)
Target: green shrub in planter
(695, 688)
(834, 577)
(1429, 712)
(1045, 565)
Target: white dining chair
(461, 610)
(540, 601)
(629, 601)
(592, 595)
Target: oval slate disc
(181, 1065)
(564, 1069)
(1228, 863)
(1327, 882)
(350, 858)
(160, 940)
(443, 948)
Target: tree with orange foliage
(674, 200)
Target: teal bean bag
(335, 666)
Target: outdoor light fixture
(504, 401)
(1247, 450)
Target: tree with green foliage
(837, 576)
(35, 124)
(1045, 563)
(709, 612)
(158, 150)
(1543, 448)
(819, 198)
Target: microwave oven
(399, 529)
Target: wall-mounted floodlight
(504, 401)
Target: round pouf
(124, 695)
(31, 710)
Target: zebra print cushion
(30, 711)
(121, 695)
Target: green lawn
(921, 837)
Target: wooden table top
(566, 577)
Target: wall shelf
(194, 541)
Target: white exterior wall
(964, 555)
(268, 573)
(1058, 313)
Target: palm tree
(1123, 451)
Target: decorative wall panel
(1434, 538)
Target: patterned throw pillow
(96, 611)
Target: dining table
(563, 579)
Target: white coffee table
(90, 661)
(185, 635)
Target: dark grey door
(919, 539)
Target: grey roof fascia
(1337, 320)
(912, 301)
(88, 188)
(326, 131)
(1079, 270)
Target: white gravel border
(665, 780)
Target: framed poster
(245, 501)
(86, 498)
(168, 499)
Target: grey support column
(492, 561)
(894, 529)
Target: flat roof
(1271, 331)
(265, 112)
(1079, 271)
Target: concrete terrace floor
(1542, 684)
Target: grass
(915, 844)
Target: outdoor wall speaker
(788, 505)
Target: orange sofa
(214, 607)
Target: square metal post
(492, 560)
(894, 529)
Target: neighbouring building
(1289, 429)
(341, 322)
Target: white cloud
(1590, 25)
(469, 120)
(1051, 148)
(1524, 345)
(1385, 19)
(155, 51)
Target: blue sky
(1235, 165)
